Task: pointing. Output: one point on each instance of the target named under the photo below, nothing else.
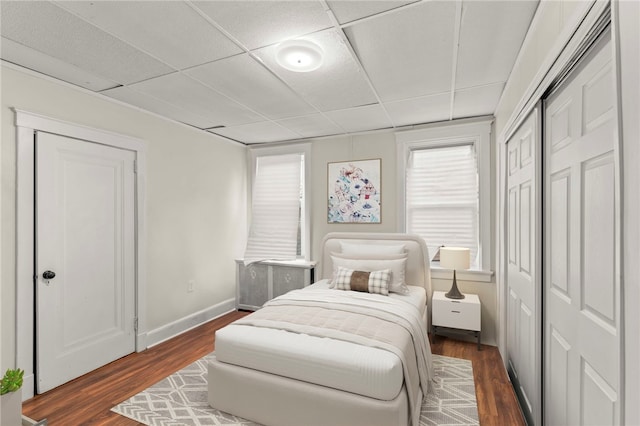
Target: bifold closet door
(524, 292)
(581, 250)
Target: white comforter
(367, 319)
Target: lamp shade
(455, 257)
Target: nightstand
(458, 315)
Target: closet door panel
(558, 223)
(598, 250)
(582, 291)
(523, 267)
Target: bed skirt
(280, 401)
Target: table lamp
(454, 258)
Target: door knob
(48, 275)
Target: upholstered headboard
(418, 271)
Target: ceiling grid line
(355, 58)
(82, 18)
(175, 70)
(381, 14)
(387, 64)
(456, 49)
(259, 61)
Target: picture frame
(354, 191)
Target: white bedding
(342, 365)
(279, 400)
(417, 295)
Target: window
(279, 206)
(442, 197)
(445, 195)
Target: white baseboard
(27, 421)
(177, 327)
(28, 386)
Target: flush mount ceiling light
(299, 55)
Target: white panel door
(582, 288)
(523, 270)
(85, 236)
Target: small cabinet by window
(260, 282)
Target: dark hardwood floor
(88, 399)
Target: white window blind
(442, 197)
(275, 209)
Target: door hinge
(135, 166)
(135, 324)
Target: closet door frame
(556, 66)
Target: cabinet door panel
(287, 278)
(253, 284)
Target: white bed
(298, 376)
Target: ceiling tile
(188, 60)
(265, 131)
(169, 30)
(362, 118)
(186, 93)
(250, 83)
(407, 53)
(127, 95)
(337, 84)
(477, 101)
(425, 109)
(347, 11)
(313, 125)
(261, 23)
(49, 29)
(29, 58)
(490, 38)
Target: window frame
(477, 132)
(303, 149)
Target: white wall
(381, 145)
(195, 200)
(549, 31)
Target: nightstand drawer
(456, 313)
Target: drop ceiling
(211, 64)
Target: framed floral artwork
(354, 191)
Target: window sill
(440, 273)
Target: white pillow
(371, 249)
(370, 256)
(397, 267)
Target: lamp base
(454, 293)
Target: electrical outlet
(190, 286)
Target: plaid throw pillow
(372, 282)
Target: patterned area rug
(181, 399)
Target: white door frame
(574, 40)
(26, 125)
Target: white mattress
(347, 366)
